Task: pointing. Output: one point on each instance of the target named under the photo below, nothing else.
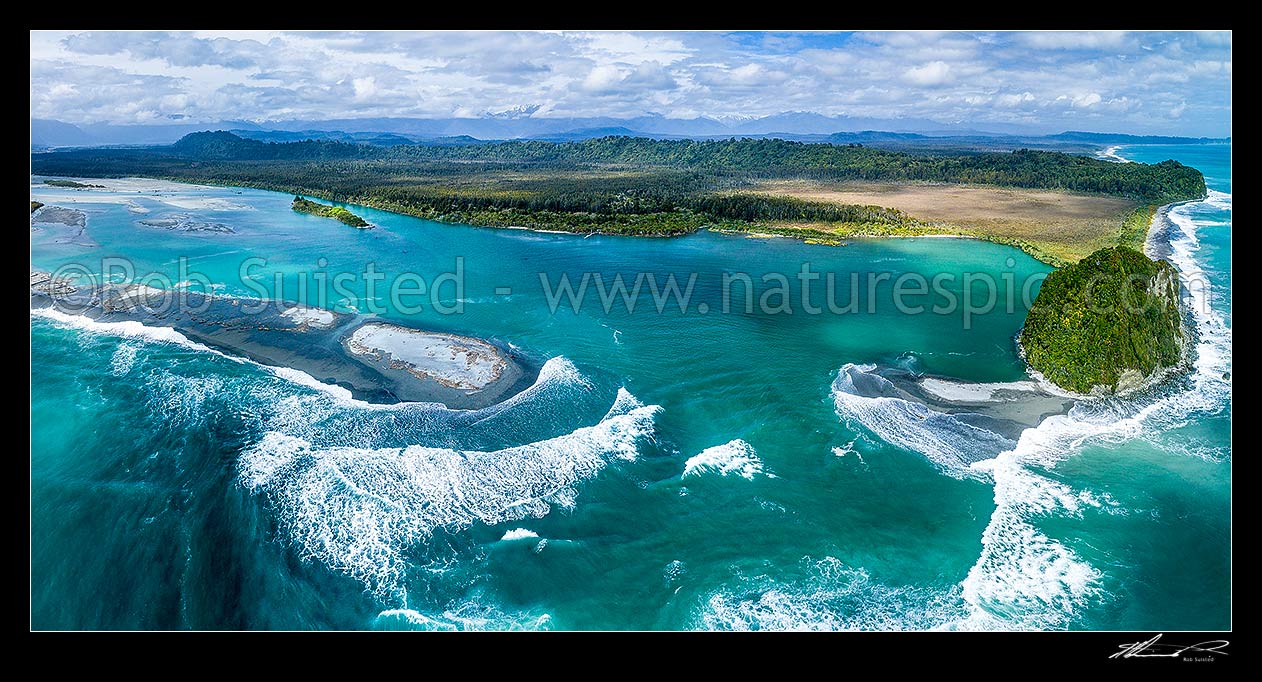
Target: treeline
(754, 158)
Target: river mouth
(257, 502)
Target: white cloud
(364, 87)
(1076, 40)
(933, 73)
(1088, 100)
(1129, 81)
(603, 78)
(1014, 100)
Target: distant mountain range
(800, 126)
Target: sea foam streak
(128, 329)
(734, 457)
(471, 615)
(947, 441)
(828, 596)
(359, 510)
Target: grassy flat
(1058, 227)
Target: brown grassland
(1058, 227)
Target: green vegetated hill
(303, 205)
(616, 185)
(1105, 323)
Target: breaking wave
(861, 399)
(734, 457)
(359, 510)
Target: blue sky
(1140, 82)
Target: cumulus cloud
(934, 73)
(1014, 99)
(1075, 40)
(1176, 82)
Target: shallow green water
(173, 487)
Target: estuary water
(702, 464)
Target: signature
(1153, 648)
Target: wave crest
(734, 457)
(359, 510)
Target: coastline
(1157, 241)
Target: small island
(35, 206)
(1107, 323)
(72, 184)
(303, 205)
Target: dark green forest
(1112, 311)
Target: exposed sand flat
(453, 361)
(149, 185)
(1067, 225)
(130, 297)
(204, 203)
(185, 223)
(302, 315)
(65, 225)
(126, 190)
(1005, 409)
(70, 217)
(965, 392)
(44, 283)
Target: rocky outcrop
(1107, 323)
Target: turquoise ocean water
(673, 470)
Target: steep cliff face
(1106, 323)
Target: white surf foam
(123, 359)
(360, 510)
(734, 457)
(850, 449)
(518, 534)
(828, 596)
(127, 329)
(945, 440)
(1110, 154)
(469, 616)
(1213, 349)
